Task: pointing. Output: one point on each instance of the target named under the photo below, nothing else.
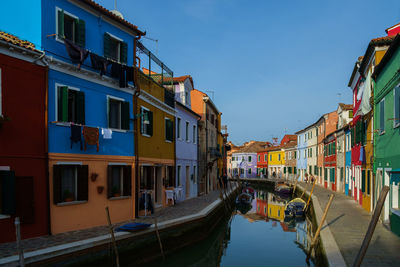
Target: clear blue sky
(274, 66)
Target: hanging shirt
(99, 63)
(76, 53)
(76, 136)
(91, 136)
(107, 133)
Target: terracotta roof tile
(16, 41)
(109, 14)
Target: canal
(253, 235)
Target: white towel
(107, 133)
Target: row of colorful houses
(355, 148)
(85, 125)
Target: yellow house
(155, 139)
(276, 208)
(276, 161)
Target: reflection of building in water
(262, 203)
(304, 234)
(276, 207)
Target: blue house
(302, 153)
(186, 139)
(347, 187)
(89, 51)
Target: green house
(387, 132)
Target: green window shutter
(57, 184)
(107, 45)
(151, 123)
(60, 18)
(334, 148)
(326, 174)
(62, 103)
(309, 169)
(363, 181)
(80, 107)
(83, 179)
(8, 192)
(295, 170)
(124, 52)
(382, 115)
(127, 183)
(80, 33)
(125, 118)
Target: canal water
(254, 235)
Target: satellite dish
(117, 13)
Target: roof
(308, 127)
(394, 26)
(111, 15)
(381, 41)
(253, 147)
(355, 68)
(289, 144)
(388, 55)
(346, 106)
(9, 38)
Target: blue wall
(22, 18)
(95, 115)
(95, 29)
(186, 152)
(301, 147)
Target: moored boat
(245, 198)
(283, 189)
(295, 208)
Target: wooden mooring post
(371, 227)
(110, 227)
(159, 238)
(309, 197)
(314, 241)
(18, 238)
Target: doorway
(386, 206)
(187, 187)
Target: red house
(23, 139)
(330, 161)
(262, 163)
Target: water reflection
(256, 234)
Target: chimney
(393, 30)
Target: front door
(386, 207)
(187, 188)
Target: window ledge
(396, 125)
(118, 198)
(146, 135)
(382, 133)
(2, 216)
(71, 203)
(65, 124)
(118, 130)
(168, 141)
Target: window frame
(76, 165)
(178, 128)
(194, 134)
(119, 49)
(165, 132)
(109, 97)
(142, 122)
(187, 131)
(396, 109)
(56, 24)
(382, 122)
(57, 86)
(178, 175)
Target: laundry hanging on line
(99, 63)
(91, 137)
(76, 134)
(76, 53)
(107, 133)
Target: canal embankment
(180, 225)
(344, 230)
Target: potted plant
(68, 196)
(100, 189)
(115, 192)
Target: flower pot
(100, 189)
(93, 177)
(68, 199)
(116, 194)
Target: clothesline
(98, 127)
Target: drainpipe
(135, 125)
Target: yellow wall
(155, 146)
(276, 212)
(274, 160)
(91, 213)
(150, 86)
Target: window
(279, 157)
(178, 175)
(310, 170)
(70, 183)
(118, 113)
(70, 105)
(187, 132)
(115, 48)
(259, 158)
(249, 158)
(178, 128)
(270, 157)
(249, 171)
(295, 154)
(311, 152)
(70, 27)
(7, 192)
(119, 180)
(146, 122)
(169, 130)
(186, 98)
(396, 113)
(265, 157)
(350, 114)
(382, 116)
(194, 134)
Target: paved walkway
(349, 222)
(188, 207)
